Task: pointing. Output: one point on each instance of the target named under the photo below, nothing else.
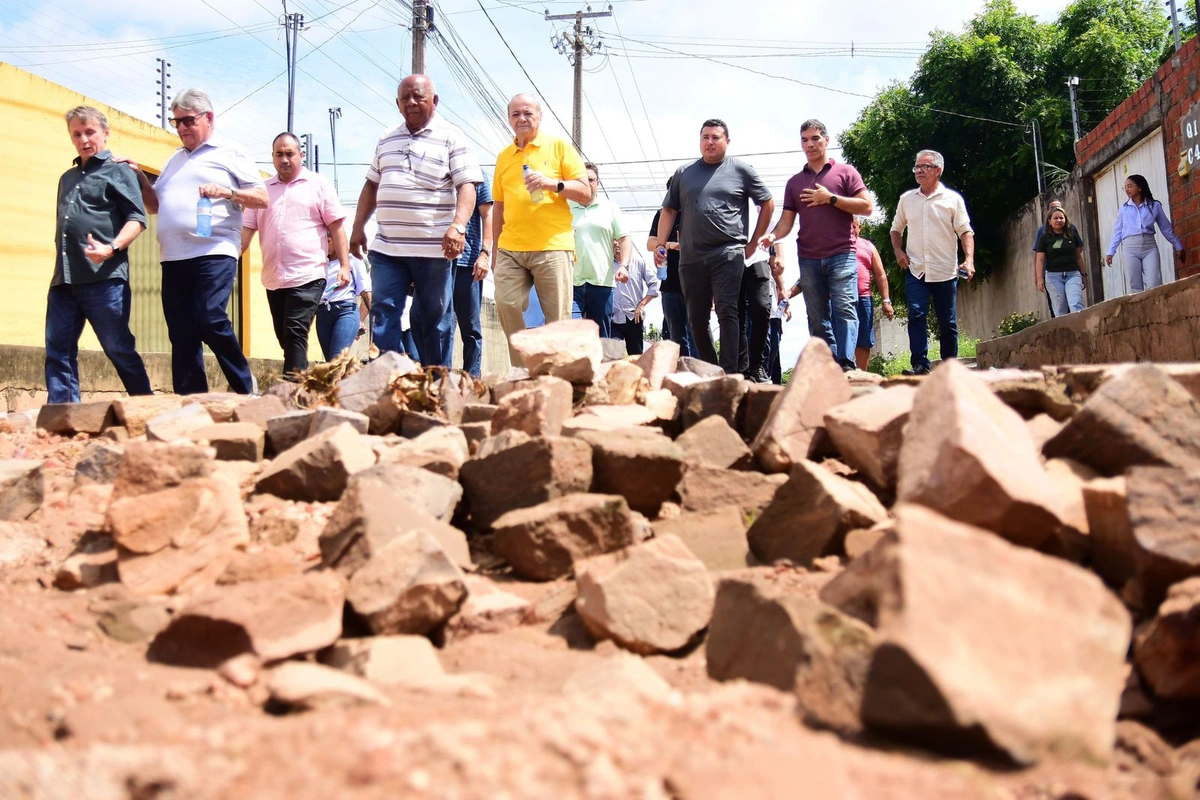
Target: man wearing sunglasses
(198, 271)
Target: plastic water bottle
(537, 194)
(204, 217)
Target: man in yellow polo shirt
(532, 239)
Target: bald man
(422, 182)
(533, 239)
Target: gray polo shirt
(178, 188)
(715, 202)
(97, 198)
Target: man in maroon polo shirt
(826, 195)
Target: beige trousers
(551, 271)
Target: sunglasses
(186, 122)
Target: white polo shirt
(935, 223)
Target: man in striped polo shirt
(422, 183)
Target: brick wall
(1170, 98)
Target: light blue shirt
(360, 281)
(216, 161)
(643, 282)
(1135, 220)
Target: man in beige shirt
(936, 219)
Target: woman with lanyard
(339, 321)
(1134, 233)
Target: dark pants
(774, 362)
(944, 295)
(632, 333)
(717, 281)
(675, 322)
(195, 296)
(431, 321)
(468, 298)
(292, 312)
(106, 306)
(754, 307)
(595, 303)
(337, 327)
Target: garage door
(1144, 158)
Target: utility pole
(1071, 87)
(422, 24)
(292, 25)
(1037, 155)
(306, 149)
(1174, 23)
(575, 46)
(163, 76)
(334, 115)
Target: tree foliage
(1005, 67)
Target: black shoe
(917, 371)
(758, 375)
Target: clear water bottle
(536, 195)
(204, 217)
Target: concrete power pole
(292, 25)
(575, 46)
(163, 75)
(1071, 87)
(422, 24)
(334, 115)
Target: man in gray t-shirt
(714, 240)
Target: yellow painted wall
(36, 151)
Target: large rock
(178, 538)
(1164, 516)
(288, 430)
(869, 430)
(326, 417)
(22, 488)
(369, 391)
(624, 381)
(260, 410)
(659, 361)
(720, 396)
(273, 620)
(232, 441)
(177, 423)
(409, 586)
(644, 469)
(524, 475)
(718, 537)
(68, 419)
(318, 468)
(793, 643)
(219, 405)
(795, 426)
(133, 412)
(546, 541)
(654, 597)
(710, 488)
(1141, 417)
(436, 495)
(757, 405)
(151, 466)
(1114, 550)
(539, 408)
(985, 646)
(456, 390)
(970, 457)
(811, 514)
(1165, 648)
(441, 450)
(569, 349)
(487, 609)
(713, 443)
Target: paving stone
(152, 466)
(699, 367)
(478, 412)
(132, 412)
(68, 419)
(219, 405)
(624, 381)
(1164, 515)
(570, 349)
(415, 423)
(710, 488)
(538, 409)
(288, 430)
(868, 431)
(713, 443)
(22, 488)
(318, 468)
(524, 475)
(659, 361)
(369, 391)
(99, 463)
(441, 450)
(644, 469)
(409, 586)
(1114, 549)
(717, 538)
(475, 433)
(720, 397)
(456, 390)
(387, 660)
(795, 426)
(177, 423)
(545, 541)
(487, 609)
(613, 350)
(1165, 647)
(757, 405)
(326, 417)
(232, 441)
(260, 410)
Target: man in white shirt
(936, 219)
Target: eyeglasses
(186, 122)
(924, 167)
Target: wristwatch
(115, 247)
(833, 200)
(486, 250)
(558, 189)
(458, 226)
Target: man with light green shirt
(597, 226)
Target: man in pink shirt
(302, 212)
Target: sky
(659, 69)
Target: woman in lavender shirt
(1134, 233)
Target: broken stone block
(619, 676)
(613, 350)
(611, 418)
(757, 405)
(644, 469)
(475, 433)
(524, 475)
(99, 463)
(1067, 479)
(487, 609)
(219, 405)
(970, 457)
(1030, 394)
(699, 367)
(478, 412)
(259, 565)
(303, 686)
(538, 409)
(663, 405)
(384, 660)
(177, 423)
(659, 361)
(152, 466)
(273, 620)
(868, 431)
(713, 443)
(710, 488)
(22, 488)
(260, 410)
(623, 381)
(415, 423)
(569, 349)
(861, 541)
(132, 412)
(653, 597)
(502, 441)
(545, 541)
(409, 586)
(985, 646)
(1042, 428)
(1141, 417)
(1114, 550)
(68, 419)
(793, 643)
(1164, 515)
(795, 426)
(1165, 647)
(810, 515)
(720, 397)
(717, 538)
(679, 383)
(441, 450)
(288, 430)
(369, 391)
(456, 390)
(318, 468)
(326, 417)
(232, 441)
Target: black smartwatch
(560, 187)
(833, 200)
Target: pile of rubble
(1003, 566)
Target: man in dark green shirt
(100, 213)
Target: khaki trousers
(551, 271)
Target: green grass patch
(894, 364)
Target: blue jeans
(468, 298)
(195, 296)
(337, 327)
(431, 321)
(106, 306)
(675, 317)
(595, 303)
(944, 295)
(831, 287)
(1066, 291)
